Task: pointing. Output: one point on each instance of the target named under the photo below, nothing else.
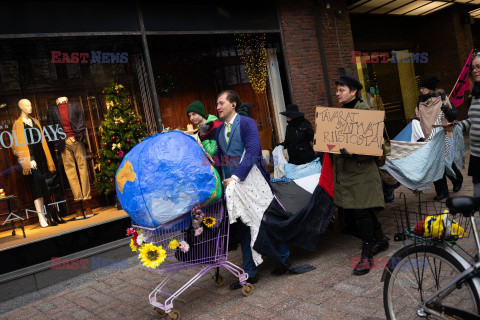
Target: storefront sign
(358, 131)
(96, 57)
(9, 139)
(390, 57)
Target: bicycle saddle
(467, 206)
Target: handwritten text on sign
(358, 131)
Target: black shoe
(441, 196)
(236, 285)
(365, 264)
(281, 269)
(457, 185)
(380, 244)
(56, 217)
(50, 221)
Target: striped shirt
(473, 124)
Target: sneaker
(236, 285)
(79, 214)
(88, 213)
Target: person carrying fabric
(472, 124)
(358, 187)
(207, 126)
(239, 160)
(298, 136)
(434, 108)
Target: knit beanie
(429, 82)
(197, 107)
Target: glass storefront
(37, 72)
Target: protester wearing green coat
(207, 126)
(358, 187)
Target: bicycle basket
(429, 222)
(179, 247)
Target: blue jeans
(248, 263)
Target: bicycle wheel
(418, 271)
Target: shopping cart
(207, 250)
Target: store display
(34, 157)
(70, 117)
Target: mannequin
(34, 157)
(70, 117)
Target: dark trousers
(360, 223)
(441, 186)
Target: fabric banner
(462, 85)
(302, 228)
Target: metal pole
(151, 80)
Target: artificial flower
(198, 231)
(133, 246)
(209, 221)
(173, 244)
(184, 246)
(140, 239)
(151, 255)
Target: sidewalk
(329, 292)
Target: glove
(345, 154)
(205, 128)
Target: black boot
(365, 264)
(441, 188)
(56, 217)
(50, 221)
(380, 244)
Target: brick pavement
(328, 292)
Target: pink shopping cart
(186, 248)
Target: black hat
(429, 82)
(292, 112)
(350, 82)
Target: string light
(251, 48)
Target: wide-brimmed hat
(292, 112)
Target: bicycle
(428, 277)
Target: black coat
(77, 122)
(298, 140)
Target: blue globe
(163, 177)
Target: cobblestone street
(328, 292)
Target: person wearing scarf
(434, 107)
(472, 124)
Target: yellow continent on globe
(125, 174)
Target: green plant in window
(121, 130)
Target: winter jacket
(207, 134)
(298, 138)
(430, 110)
(357, 183)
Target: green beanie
(197, 107)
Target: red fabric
(326, 175)
(419, 228)
(63, 109)
(216, 124)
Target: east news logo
(94, 56)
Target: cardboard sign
(358, 131)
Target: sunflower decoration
(174, 244)
(133, 246)
(151, 255)
(209, 221)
